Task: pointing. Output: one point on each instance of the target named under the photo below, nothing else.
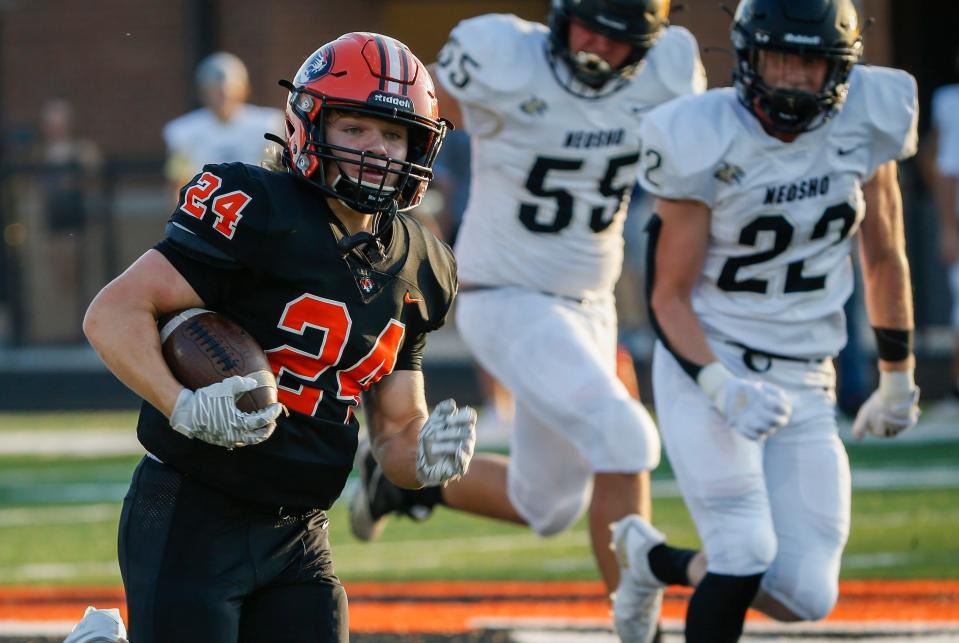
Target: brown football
(202, 347)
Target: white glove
(891, 409)
(210, 414)
(446, 444)
(754, 408)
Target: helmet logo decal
(400, 102)
(800, 39)
(316, 66)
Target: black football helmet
(820, 28)
(638, 22)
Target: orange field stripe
(439, 606)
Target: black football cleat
(376, 498)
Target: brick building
(128, 67)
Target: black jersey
(260, 247)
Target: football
(202, 347)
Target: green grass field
(58, 516)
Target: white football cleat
(639, 596)
(99, 626)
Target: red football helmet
(372, 75)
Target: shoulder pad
(887, 99)
(431, 268)
(676, 62)
(226, 207)
(683, 141)
(484, 55)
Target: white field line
(97, 442)
(58, 515)
(540, 630)
(60, 571)
(536, 630)
(29, 629)
(70, 442)
(21, 489)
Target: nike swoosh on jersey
(848, 150)
(410, 300)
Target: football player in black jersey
(320, 265)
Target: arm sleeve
(213, 279)
(677, 160)
(411, 354)
(479, 59)
(890, 96)
(226, 211)
(478, 66)
(213, 243)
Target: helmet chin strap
(375, 252)
(382, 221)
(353, 193)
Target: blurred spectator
(225, 129)
(944, 139)
(852, 386)
(68, 182)
(452, 183)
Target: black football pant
(201, 566)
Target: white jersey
(552, 172)
(777, 270)
(199, 137)
(945, 118)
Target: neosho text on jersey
(602, 138)
(788, 192)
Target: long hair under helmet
(828, 29)
(371, 75)
(638, 22)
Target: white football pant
(778, 506)
(574, 417)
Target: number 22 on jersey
(332, 319)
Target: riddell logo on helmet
(399, 102)
(800, 39)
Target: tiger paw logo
(316, 66)
(729, 174)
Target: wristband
(711, 379)
(892, 344)
(897, 385)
